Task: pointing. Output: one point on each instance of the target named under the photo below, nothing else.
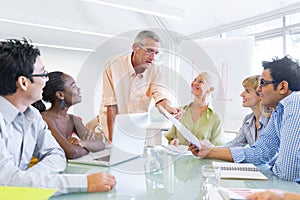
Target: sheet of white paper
(231, 193)
(183, 130)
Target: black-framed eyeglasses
(149, 51)
(263, 82)
(44, 74)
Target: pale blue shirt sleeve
(281, 138)
(38, 141)
(260, 152)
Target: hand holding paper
(206, 147)
(183, 130)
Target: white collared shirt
(23, 135)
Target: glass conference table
(158, 175)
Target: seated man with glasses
(130, 82)
(44, 74)
(279, 143)
(23, 132)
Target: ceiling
(82, 24)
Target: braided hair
(54, 84)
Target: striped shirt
(246, 134)
(279, 143)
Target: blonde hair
(253, 83)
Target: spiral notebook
(239, 171)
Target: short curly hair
(284, 69)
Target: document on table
(12, 192)
(230, 193)
(175, 150)
(183, 130)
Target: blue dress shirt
(279, 143)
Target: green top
(208, 126)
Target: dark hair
(39, 105)
(54, 84)
(284, 69)
(17, 58)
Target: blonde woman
(199, 118)
(256, 121)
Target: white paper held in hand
(183, 130)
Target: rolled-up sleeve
(238, 154)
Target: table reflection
(172, 177)
(159, 175)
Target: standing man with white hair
(130, 81)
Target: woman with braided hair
(76, 140)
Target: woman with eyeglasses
(61, 91)
(199, 117)
(257, 120)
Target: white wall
(67, 61)
(233, 59)
(63, 60)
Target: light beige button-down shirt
(131, 92)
